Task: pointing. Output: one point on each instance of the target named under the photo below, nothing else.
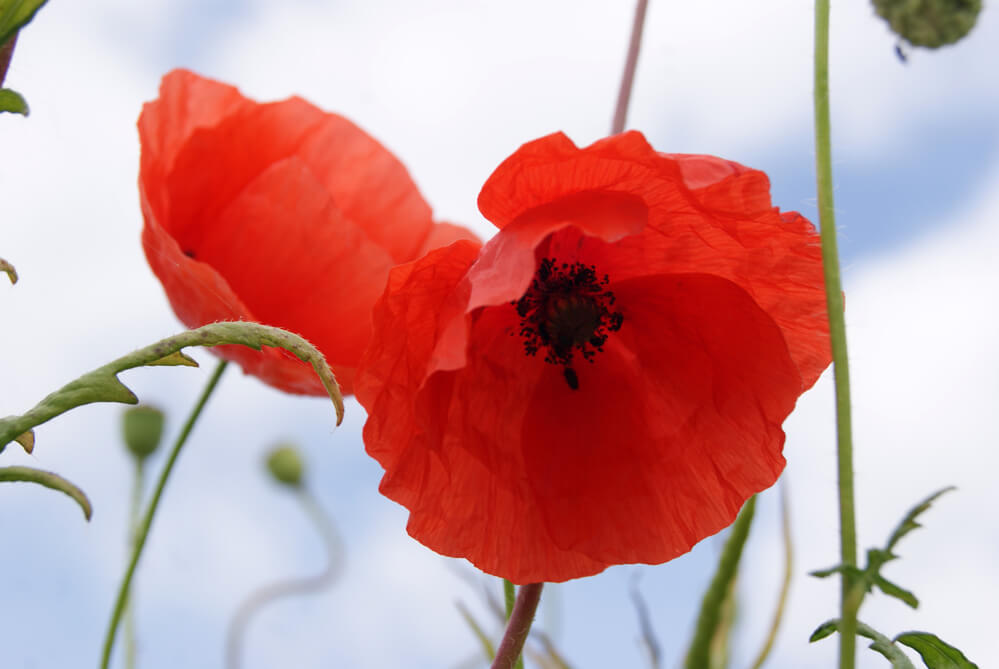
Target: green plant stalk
(142, 532)
(837, 333)
(509, 596)
(135, 508)
(709, 618)
(509, 599)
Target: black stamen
(566, 310)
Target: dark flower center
(567, 310)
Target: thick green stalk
(837, 332)
(143, 530)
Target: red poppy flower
(604, 382)
(277, 213)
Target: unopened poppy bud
(286, 466)
(929, 23)
(142, 427)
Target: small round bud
(142, 428)
(286, 466)
(929, 23)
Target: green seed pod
(286, 466)
(929, 23)
(142, 428)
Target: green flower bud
(142, 427)
(929, 23)
(286, 466)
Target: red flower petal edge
(604, 382)
(278, 213)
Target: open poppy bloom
(277, 213)
(604, 382)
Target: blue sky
(453, 87)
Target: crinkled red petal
(673, 426)
(278, 213)
(705, 215)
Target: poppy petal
(666, 275)
(278, 213)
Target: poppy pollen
(567, 309)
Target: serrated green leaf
(49, 480)
(896, 591)
(936, 653)
(176, 359)
(27, 441)
(909, 523)
(15, 14)
(9, 270)
(13, 102)
(851, 572)
(102, 384)
(824, 630)
(881, 644)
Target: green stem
(135, 508)
(147, 520)
(334, 561)
(710, 616)
(837, 332)
(509, 596)
(518, 626)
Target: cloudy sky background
(453, 88)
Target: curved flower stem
(518, 626)
(837, 332)
(630, 64)
(334, 561)
(710, 616)
(142, 532)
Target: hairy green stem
(630, 65)
(710, 616)
(837, 332)
(509, 596)
(147, 520)
(334, 562)
(518, 626)
(103, 385)
(509, 599)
